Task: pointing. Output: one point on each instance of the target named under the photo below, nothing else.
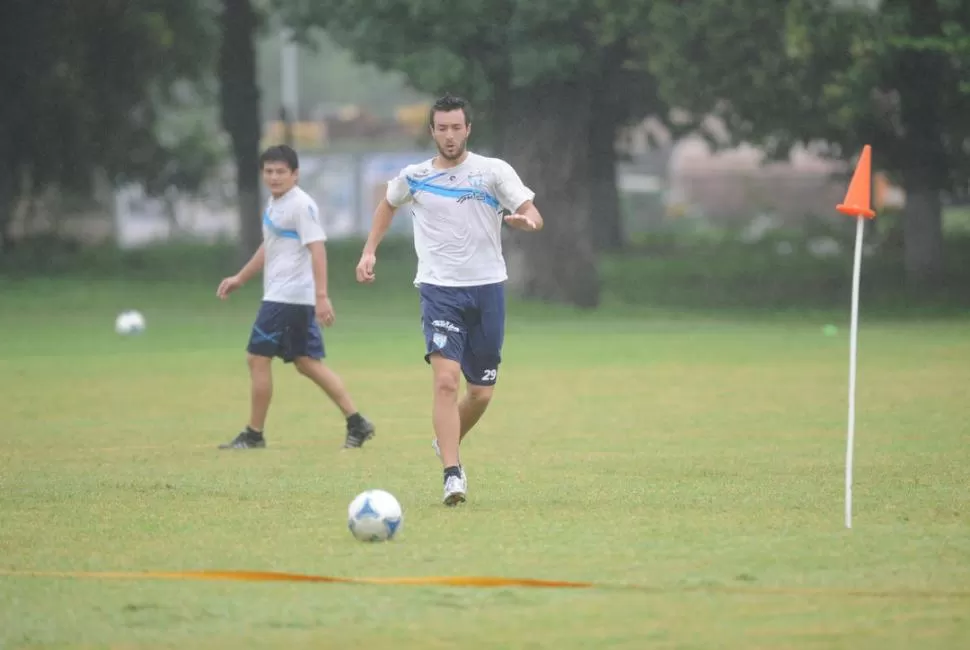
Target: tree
(551, 92)
(890, 74)
(82, 84)
(239, 108)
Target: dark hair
(450, 103)
(280, 153)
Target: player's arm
(526, 217)
(398, 192)
(253, 266)
(381, 222)
(318, 261)
(313, 237)
(514, 195)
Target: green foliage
(721, 273)
(756, 65)
(328, 75)
(85, 77)
(430, 42)
(482, 49)
(703, 272)
(190, 145)
(809, 72)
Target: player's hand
(365, 268)
(521, 222)
(227, 286)
(324, 312)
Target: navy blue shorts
(467, 325)
(286, 331)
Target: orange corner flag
(857, 199)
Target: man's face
(278, 177)
(450, 133)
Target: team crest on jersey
(476, 181)
(440, 340)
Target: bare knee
(480, 395)
(446, 385)
(257, 363)
(446, 380)
(305, 365)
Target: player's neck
(440, 162)
(278, 196)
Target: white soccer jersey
(289, 224)
(457, 217)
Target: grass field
(699, 456)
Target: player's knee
(258, 363)
(481, 395)
(304, 365)
(446, 384)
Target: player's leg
(445, 414)
(359, 428)
(330, 382)
(264, 344)
(447, 424)
(261, 390)
(444, 332)
(483, 354)
(303, 345)
(472, 406)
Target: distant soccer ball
(374, 516)
(130, 322)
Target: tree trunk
(922, 234)
(542, 129)
(8, 200)
(239, 99)
(925, 170)
(606, 218)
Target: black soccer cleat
(247, 439)
(358, 434)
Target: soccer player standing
(294, 264)
(457, 200)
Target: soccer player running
(294, 264)
(457, 200)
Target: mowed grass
(687, 455)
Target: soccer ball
(130, 322)
(374, 516)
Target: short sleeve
(308, 224)
(509, 189)
(398, 190)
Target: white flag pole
(853, 358)
(856, 205)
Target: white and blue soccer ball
(374, 516)
(130, 322)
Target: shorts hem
(427, 356)
(293, 357)
(285, 357)
(479, 382)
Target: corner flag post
(856, 204)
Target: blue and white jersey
(457, 217)
(290, 223)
